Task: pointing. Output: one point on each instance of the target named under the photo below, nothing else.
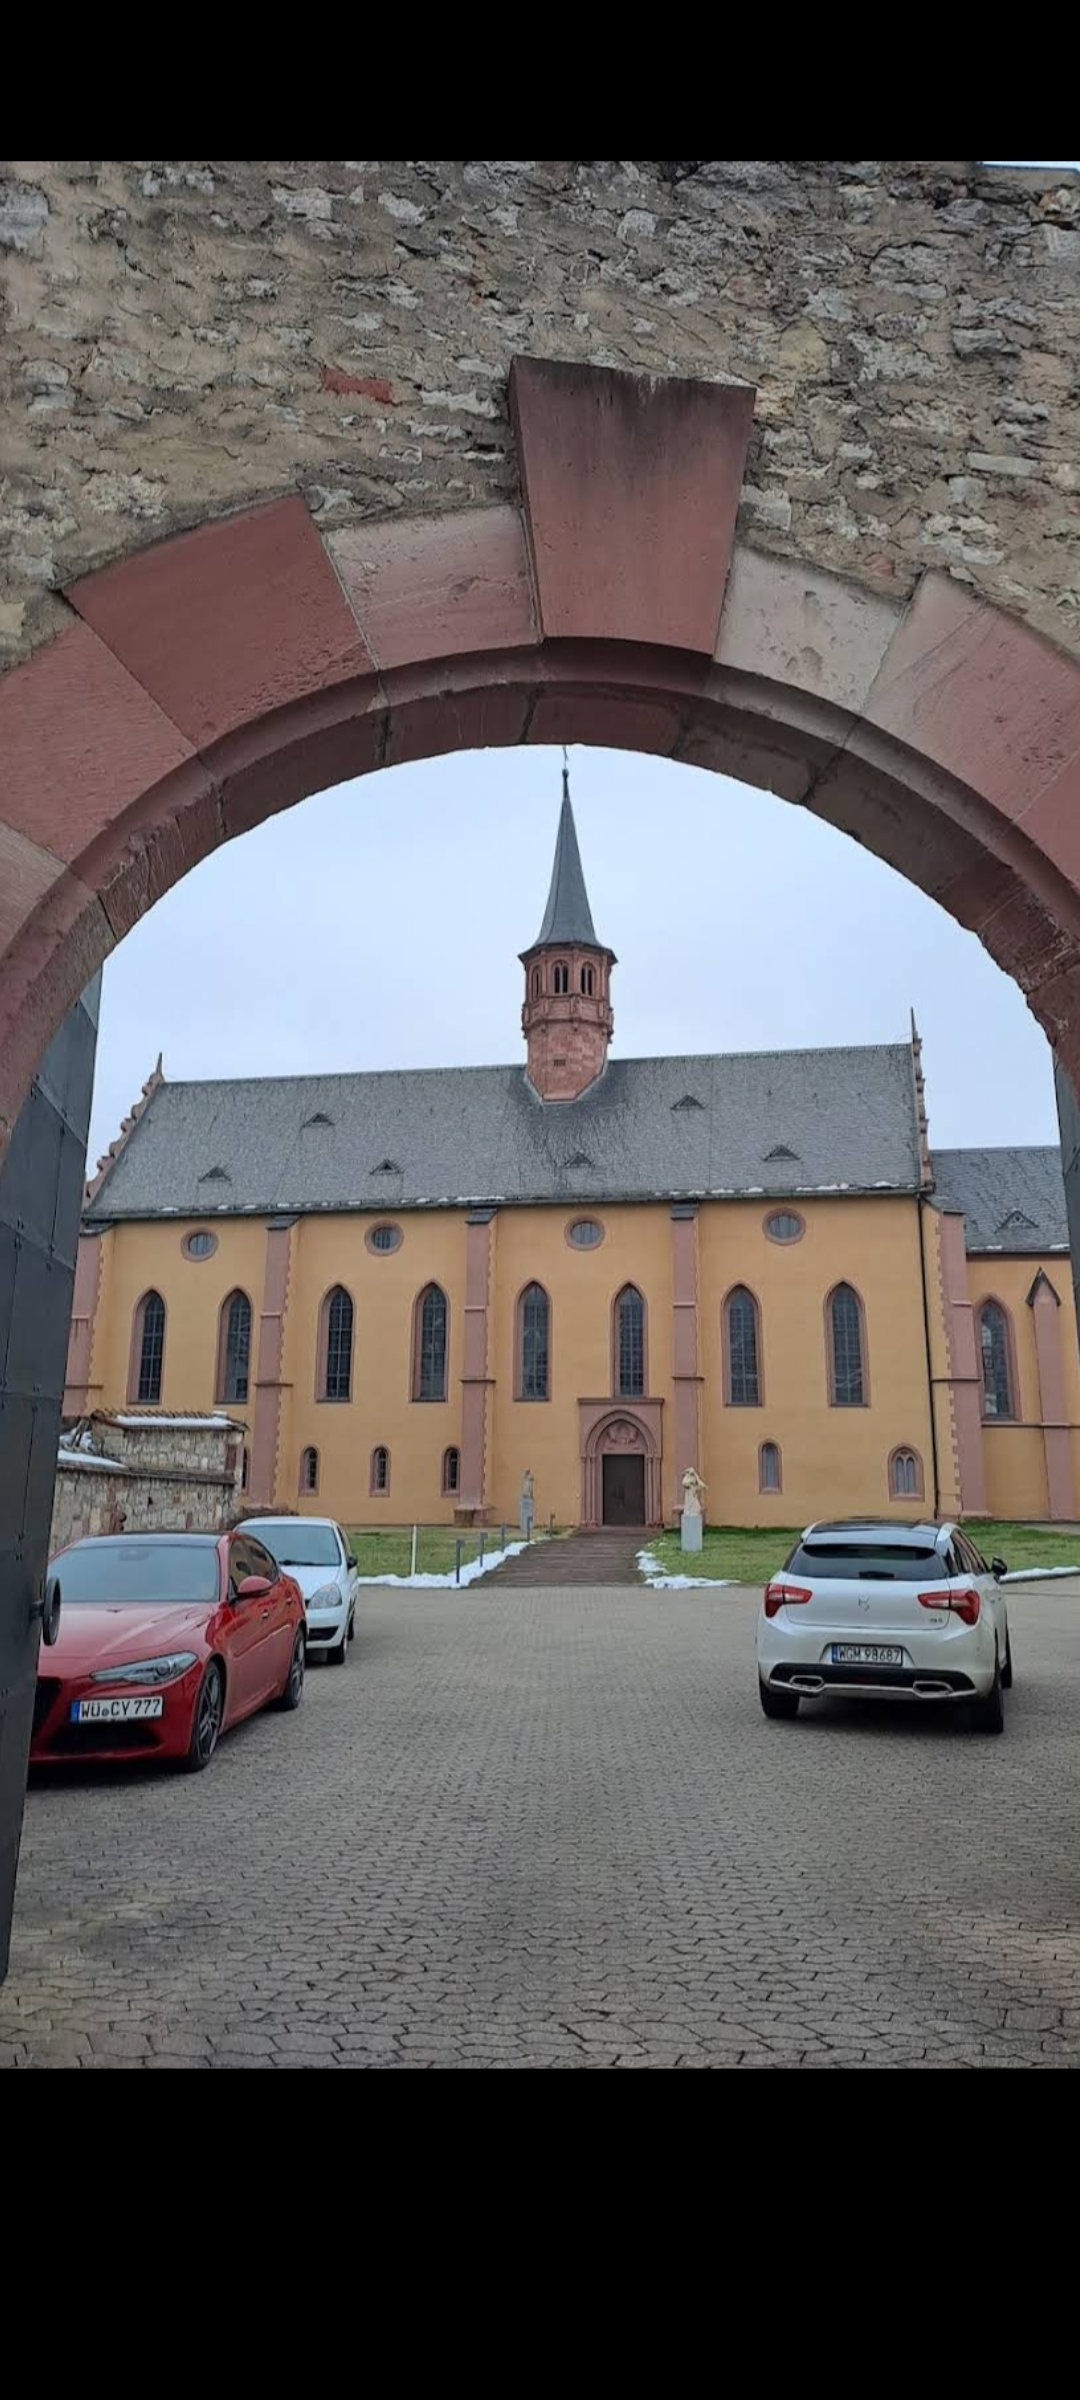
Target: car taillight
(964, 1605)
(784, 1595)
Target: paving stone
(550, 1827)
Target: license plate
(865, 1654)
(119, 1712)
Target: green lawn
(1024, 1545)
(386, 1550)
(731, 1553)
(750, 1554)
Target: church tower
(566, 1020)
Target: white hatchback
(872, 1610)
(315, 1552)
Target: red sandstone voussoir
(81, 743)
(981, 696)
(436, 587)
(224, 624)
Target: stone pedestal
(690, 1529)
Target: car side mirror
(254, 1587)
(350, 1559)
(48, 1608)
(998, 1568)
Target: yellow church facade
(413, 1289)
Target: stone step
(605, 1557)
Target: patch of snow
(140, 1424)
(433, 1583)
(1038, 1574)
(658, 1579)
(92, 1463)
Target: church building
(411, 1288)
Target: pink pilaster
(1053, 1411)
(475, 1380)
(685, 1373)
(266, 1425)
(964, 1372)
(77, 1401)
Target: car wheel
(294, 1681)
(352, 1625)
(776, 1703)
(336, 1656)
(988, 1716)
(207, 1720)
(1007, 1670)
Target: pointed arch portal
(198, 685)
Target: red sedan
(165, 1640)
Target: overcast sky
(378, 926)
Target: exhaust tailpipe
(806, 1683)
(928, 1688)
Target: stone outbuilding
(145, 1471)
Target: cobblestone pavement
(554, 1828)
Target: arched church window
(148, 1350)
(429, 1345)
(630, 1344)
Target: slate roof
(796, 1121)
(567, 917)
(1013, 1200)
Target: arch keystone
(631, 488)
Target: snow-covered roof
(90, 1461)
(190, 1424)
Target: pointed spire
(921, 1119)
(567, 917)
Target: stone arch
(202, 684)
(214, 678)
(189, 689)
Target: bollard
(412, 1569)
(457, 1560)
(502, 1537)
(483, 1539)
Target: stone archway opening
(201, 684)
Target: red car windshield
(121, 1571)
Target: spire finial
(567, 917)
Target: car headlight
(148, 1670)
(327, 1596)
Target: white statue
(690, 1523)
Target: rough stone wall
(132, 1503)
(85, 1502)
(181, 338)
(162, 1475)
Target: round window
(385, 1237)
(199, 1245)
(784, 1226)
(584, 1233)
